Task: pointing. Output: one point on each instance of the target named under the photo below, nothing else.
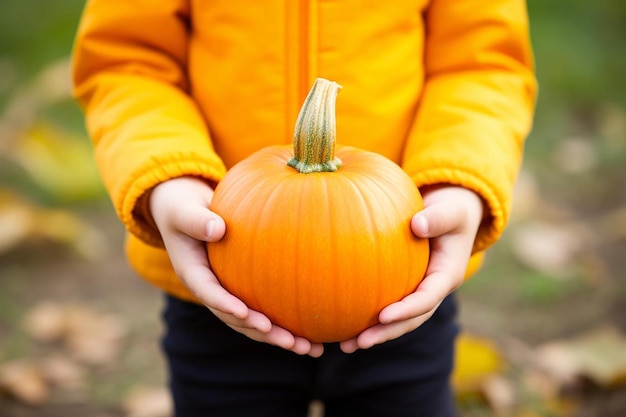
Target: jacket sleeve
(129, 72)
(477, 106)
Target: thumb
(215, 228)
(200, 224)
(435, 220)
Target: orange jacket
(445, 88)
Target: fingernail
(422, 224)
(210, 227)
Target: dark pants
(215, 371)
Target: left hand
(450, 219)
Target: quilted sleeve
(477, 105)
(129, 73)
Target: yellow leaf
(59, 162)
(477, 359)
(21, 221)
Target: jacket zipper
(298, 50)
(303, 59)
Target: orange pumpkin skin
(321, 254)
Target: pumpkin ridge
(266, 213)
(364, 181)
(380, 186)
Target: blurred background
(544, 322)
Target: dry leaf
(576, 155)
(148, 402)
(526, 198)
(45, 322)
(93, 338)
(64, 227)
(540, 385)
(598, 356)
(20, 221)
(16, 220)
(65, 373)
(477, 359)
(51, 85)
(550, 247)
(24, 381)
(499, 393)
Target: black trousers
(215, 371)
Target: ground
(493, 304)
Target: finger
(252, 321)
(199, 223)
(436, 220)
(282, 338)
(384, 332)
(349, 346)
(275, 336)
(429, 294)
(317, 350)
(191, 265)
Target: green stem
(315, 134)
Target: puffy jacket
(445, 88)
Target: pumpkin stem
(315, 134)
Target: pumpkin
(318, 237)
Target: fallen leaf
(598, 355)
(576, 155)
(526, 198)
(92, 338)
(45, 322)
(16, 220)
(64, 372)
(550, 247)
(540, 385)
(145, 401)
(59, 161)
(51, 85)
(64, 227)
(22, 221)
(499, 394)
(556, 360)
(24, 381)
(476, 360)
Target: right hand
(179, 208)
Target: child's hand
(451, 218)
(179, 209)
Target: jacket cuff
(132, 205)
(496, 203)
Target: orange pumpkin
(318, 238)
